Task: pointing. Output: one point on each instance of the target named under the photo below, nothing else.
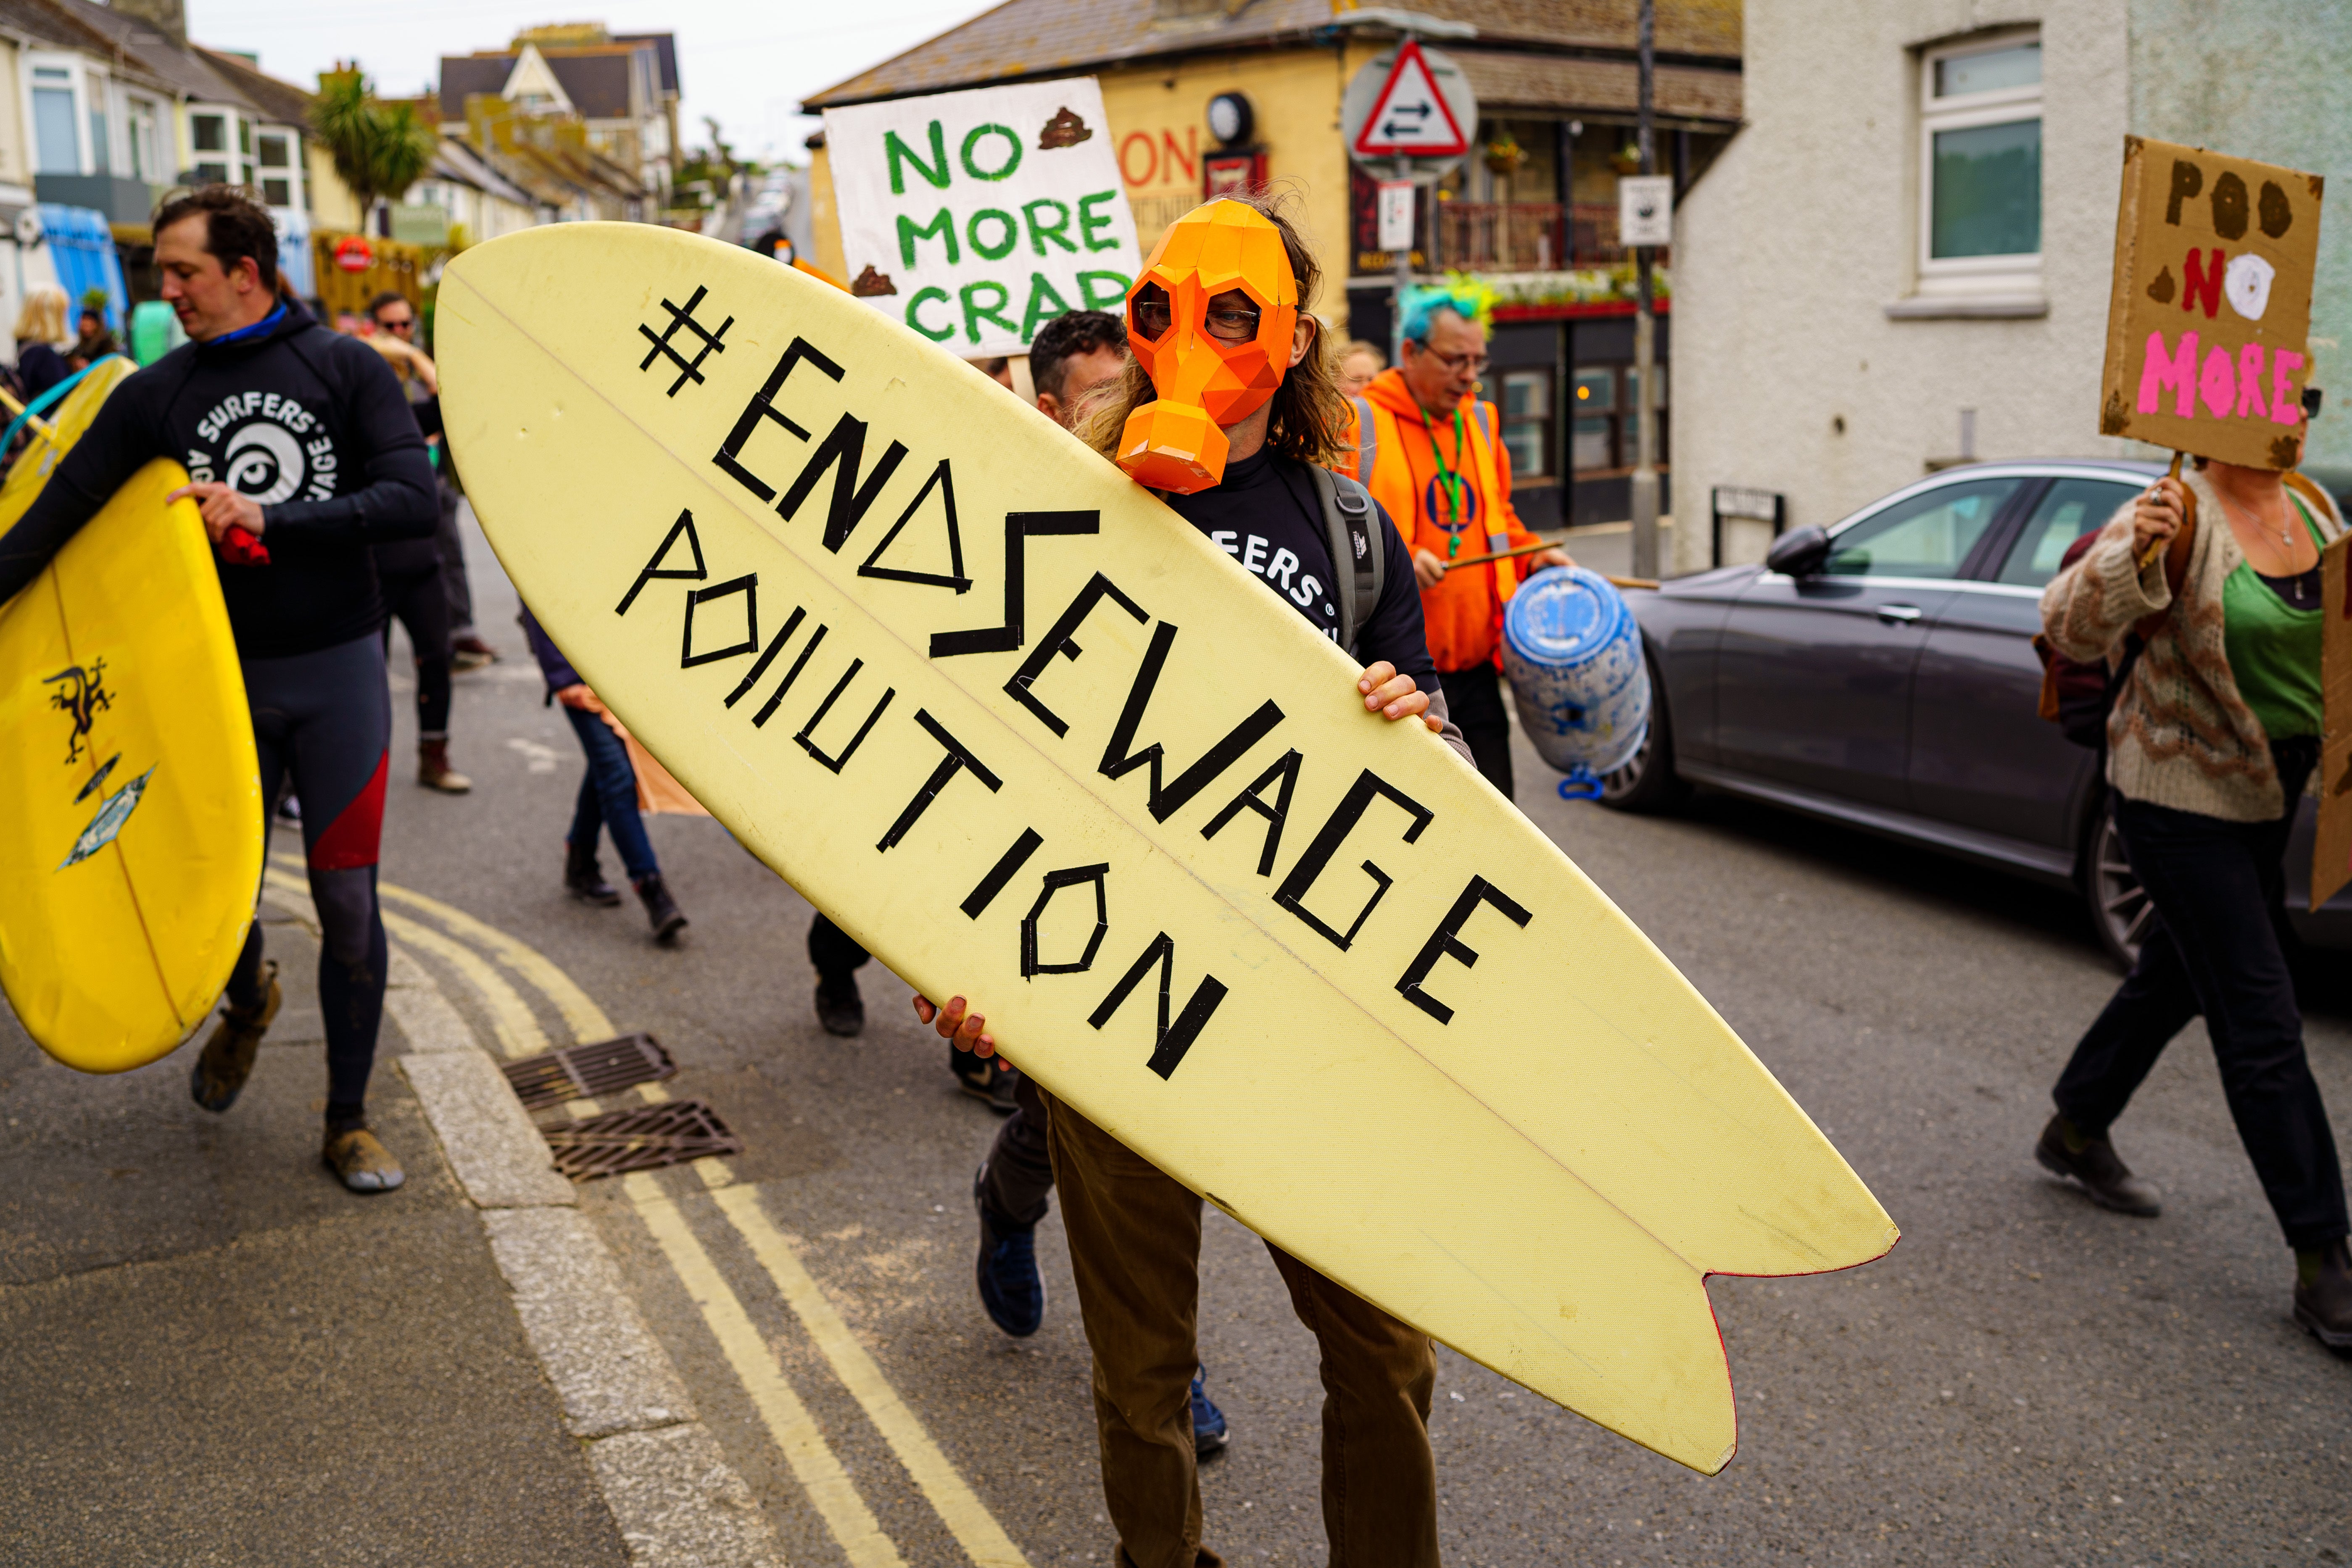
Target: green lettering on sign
(1010, 232)
(923, 296)
(1104, 290)
(940, 227)
(1012, 161)
(936, 172)
(974, 312)
(1057, 231)
(1040, 293)
(1089, 220)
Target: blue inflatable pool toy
(1573, 652)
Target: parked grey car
(1881, 673)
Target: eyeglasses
(1456, 364)
(1232, 318)
(407, 324)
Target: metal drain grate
(587, 1071)
(645, 1138)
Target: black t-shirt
(1265, 515)
(311, 425)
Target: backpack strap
(1368, 441)
(1352, 530)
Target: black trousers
(833, 950)
(418, 602)
(1019, 1175)
(2217, 945)
(1473, 699)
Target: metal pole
(1403, 272)
(1645, 422)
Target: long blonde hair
(43, 319)
(1311, 419)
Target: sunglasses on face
(1232, 316)
(407, 324)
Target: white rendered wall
(1789, 250)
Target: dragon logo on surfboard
(81, 692)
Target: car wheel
(2120, 907)
(1648, 783)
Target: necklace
(2286, 535)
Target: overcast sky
(744, 62)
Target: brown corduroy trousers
(1135, 1248)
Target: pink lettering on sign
(2178, 371)
(2287, 408)
(2219, 384)
(2249, 383)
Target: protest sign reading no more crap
(976, 217)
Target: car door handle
(1898, 615)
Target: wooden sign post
(2208, 327)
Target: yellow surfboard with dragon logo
(128, 779)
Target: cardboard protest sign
(2206, 328)
(2331, 853)
(976, 217)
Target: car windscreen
(1925, 535)
(2069, 509)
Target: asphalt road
(2025, 1379)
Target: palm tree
(378, 151)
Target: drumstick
(1501, 555)
(2157, 548)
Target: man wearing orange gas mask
(1230, 410)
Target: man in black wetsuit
(1242, 467)
(304, 455)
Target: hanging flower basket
(1504, 154)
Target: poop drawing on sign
(1063, 130)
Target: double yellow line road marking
(477, 951)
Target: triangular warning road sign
(1410, 117)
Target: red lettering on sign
(1189, 156)
(1150, 159)
(2208, 284)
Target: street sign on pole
(1396, 215)
(1410, 118)
(1645, 209)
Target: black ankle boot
(584, 880)
(661, 910)
(2093, 1165)
(2323, 1294)
(839, 1008)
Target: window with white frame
(1981, 150)
(56, 143)
(208, 134)
(140, 120)
(276, 155)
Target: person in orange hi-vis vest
(1430, 451)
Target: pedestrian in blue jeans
(608, 797)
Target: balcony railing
(1527, 236)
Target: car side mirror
(1799, 553)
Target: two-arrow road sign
(1410, 117)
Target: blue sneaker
(1208, 1421)
(1010, 1291)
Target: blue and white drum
(1573, 652)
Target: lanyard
(1448, 479)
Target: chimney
(171, 15)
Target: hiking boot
(363, 1165)
(470, 652)
(2323, 1295)
(2093, 1164)
(989, 1079)
(1208, 1421)
(1011, 1292)
(226, 1062)
(584, 881)
(839, 1008)
(433, 769)
(661, 910)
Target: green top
(2274, 649)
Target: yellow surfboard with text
(1022, 730)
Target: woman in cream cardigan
(2214, 735)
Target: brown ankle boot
(433, 769)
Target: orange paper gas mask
(1211, 321)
